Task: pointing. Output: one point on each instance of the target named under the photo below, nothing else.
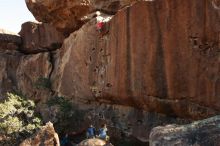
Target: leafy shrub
(64, 104)
(17, 119)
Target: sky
(13, 13)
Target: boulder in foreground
(44, 137)
(201, 133)
(94, 142)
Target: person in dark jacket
(65, 141)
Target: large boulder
(158, 56)
(200, 133)
(92, 142)
(67, 16)
(39, 37)
(46, 136)
(9, 60)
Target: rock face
(26, 74)
(67, 16)
(46, 136)
(200, 133)
(159, 56)
(64, 15)
(8, 65)
(9, 41)
(32, 76)
(39, 37)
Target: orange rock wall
(160, 56)
(166, 50)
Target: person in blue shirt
(103, 133)
(90, 133)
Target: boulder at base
(94, 142)
(46, 136)
(200, 133)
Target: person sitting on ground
(65, 141)
(90, 133)
(103, 133)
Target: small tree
(17, 119)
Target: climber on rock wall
(102, 23)
(100, 26)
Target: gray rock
(201, 133)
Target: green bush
(43, 83)
(64, 104)
(68, 116)
(17, 119)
